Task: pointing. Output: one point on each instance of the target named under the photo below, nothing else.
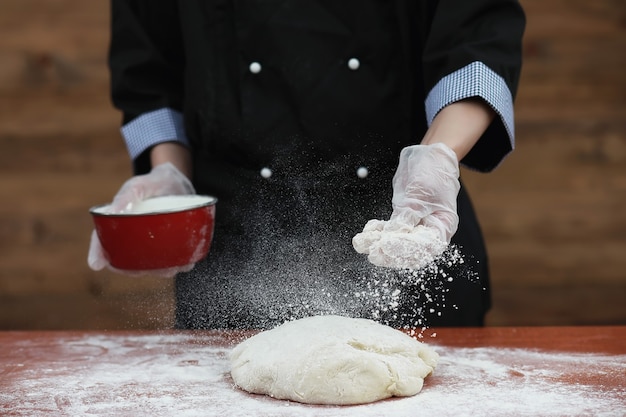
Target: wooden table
(551, 371)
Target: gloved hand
(164, 179)
(424, 217)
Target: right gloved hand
(164, 179)
(424, 218)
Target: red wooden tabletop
(483, 371)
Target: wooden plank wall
(554, 214)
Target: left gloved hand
(164, 179)
(424, 217)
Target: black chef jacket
(282, 244)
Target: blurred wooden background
(554, 214)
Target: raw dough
(332, 360)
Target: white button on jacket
(266, 172)
(255, 67)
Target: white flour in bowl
(170, 203)
(183, 375)
(163, 204)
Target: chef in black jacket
(295, 114)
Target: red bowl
(160, 233)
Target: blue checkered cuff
(149, 129)
(475, 79)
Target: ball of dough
(332, 360)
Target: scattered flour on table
(187, 375)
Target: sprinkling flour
(422, 271)
(389, 291)
(292, 257)
(187, 375)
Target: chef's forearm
(174, 152)
(460, 125)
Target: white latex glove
(424, 217)
(164, 179)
